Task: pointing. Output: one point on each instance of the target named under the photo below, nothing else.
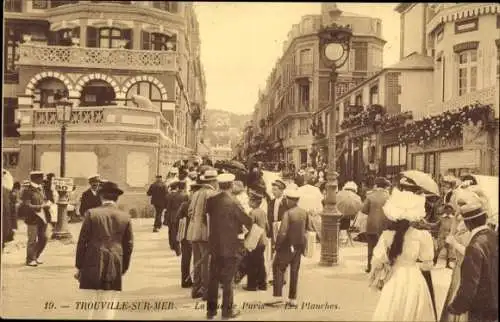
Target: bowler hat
(110, 187)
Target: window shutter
(91, 37)
(145, 40)
(127, 35)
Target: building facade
(463, 39)
(299, 85)
(436, 110)
(133, 73)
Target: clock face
(334, 51)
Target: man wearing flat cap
(90, 199)
(34, 204)
(198, 233)
(104, 246)
(376, 221)
(227, 218)
(158, 192)
(478, 290)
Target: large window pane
(395, 155)
(388, 156)
(402, 155)
(418, 162)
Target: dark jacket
(478, 290)
(158, 192)
(89, 201)
(173, 202)
(292, 229)
(375, 200)
(34, 196)
(104, 248)
(226, 218)
(270, 214)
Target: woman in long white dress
(405, 295)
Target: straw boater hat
(404, 205)
(225, 177)
(469, 204)
(350, 185)
(209, 175)
(174, 170)
(94, 177)
(36, 173)
(292, 194)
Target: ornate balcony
(92, 119)
(61, 56)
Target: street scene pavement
(50, 290)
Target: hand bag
(380, 275)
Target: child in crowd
(446, 224)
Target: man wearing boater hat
(478, 290)
(34, 204)
(90, 199)
(104, 246)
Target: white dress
(405, 296)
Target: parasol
(423, 180)
(348, 203)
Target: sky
(241, 42)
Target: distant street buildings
(133, 72)
(435, 110)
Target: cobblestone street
(50, 291)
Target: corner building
(133, 72)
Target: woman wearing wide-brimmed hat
(395, 265)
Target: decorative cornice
(465, 46)
(462, 11)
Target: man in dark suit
(104, 245)
(478, 290)
(290, 245)
(176, 197)
(90, 199)
(276, 208)
(226, 219)
(376, 221)
(158, 192)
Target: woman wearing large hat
(405, 295)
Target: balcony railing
(303, 70)
(89, 118)
(483, 96)
(41, 55)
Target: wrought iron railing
(48, 117)
(116, 58)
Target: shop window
(467, 71)
(395, 160)
(97, 93)
(147, 90)
(13, 5)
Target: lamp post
(334, 46)
(64, 107)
